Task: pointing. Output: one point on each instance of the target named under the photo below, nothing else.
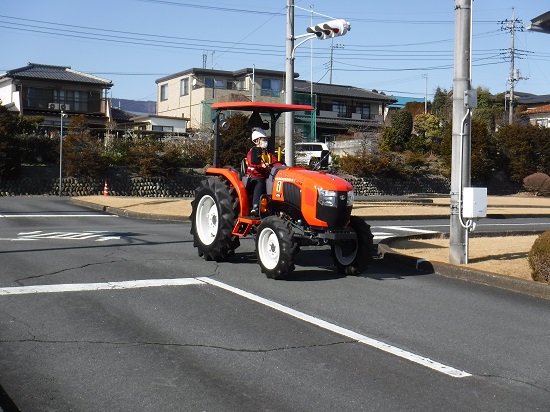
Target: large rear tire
(213, 217)
(352, 257)
(275, 248)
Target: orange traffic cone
(105, 189)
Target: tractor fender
(233, 177)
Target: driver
(259, 159)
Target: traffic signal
(330, 29)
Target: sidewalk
(497, 261)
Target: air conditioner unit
(65, 106)
(53, 106)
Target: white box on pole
(474, 202)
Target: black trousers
(257, 185)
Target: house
(190, 93)
(45, 90)
(539, 116)
(164, 124)
(339, 109)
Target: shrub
(144, 157)
(402, 122)
(9, 151)
(537, 183)
(82, 152)
(38, 149)
(539, 258)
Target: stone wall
(183, 185)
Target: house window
(213, 83)
(271, 87)
(164, 92)
(542, 122)
(340, 108)
(364, 111)
(163, 128)
(184, 85)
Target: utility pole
(512, 26)
(461, 140)
(332, 47)
(289, 83)
(425, 76)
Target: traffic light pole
(289, 83)
(461, 140)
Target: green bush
(39, 149)
(539, 258)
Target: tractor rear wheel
(275, 248)
(352, 257)
(213, 217)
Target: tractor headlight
(326, 197)
(351, 197)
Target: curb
(129, 213)
(531, 288)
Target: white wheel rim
(345, 260)
(269, 248)
(207, 220)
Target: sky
(400, 47)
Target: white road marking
(100, 236)
(429, 363)
(382, 235)
(35, 215)
(84, 287)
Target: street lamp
(61, 153)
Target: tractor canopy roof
(262, 107)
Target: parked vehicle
(302, 207)
(314, 154)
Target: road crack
(44, 275)
(180, 345)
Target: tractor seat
(243, 175)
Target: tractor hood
(309, 179)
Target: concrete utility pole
(512, 26)
(461, 151)
(289, 83)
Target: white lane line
(429, 363)
(33, 215)
(84, 287)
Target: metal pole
(289, 84)
(512, 68)
(461, 151)
(61, 155)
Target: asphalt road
(79, 332)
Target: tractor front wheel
(352, 257)
(275, 247)
(213, 217)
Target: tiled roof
(59, 73)
(339, 90)
(121, 116)
(541, 109)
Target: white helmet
(258, 134)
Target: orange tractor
(301, 208)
